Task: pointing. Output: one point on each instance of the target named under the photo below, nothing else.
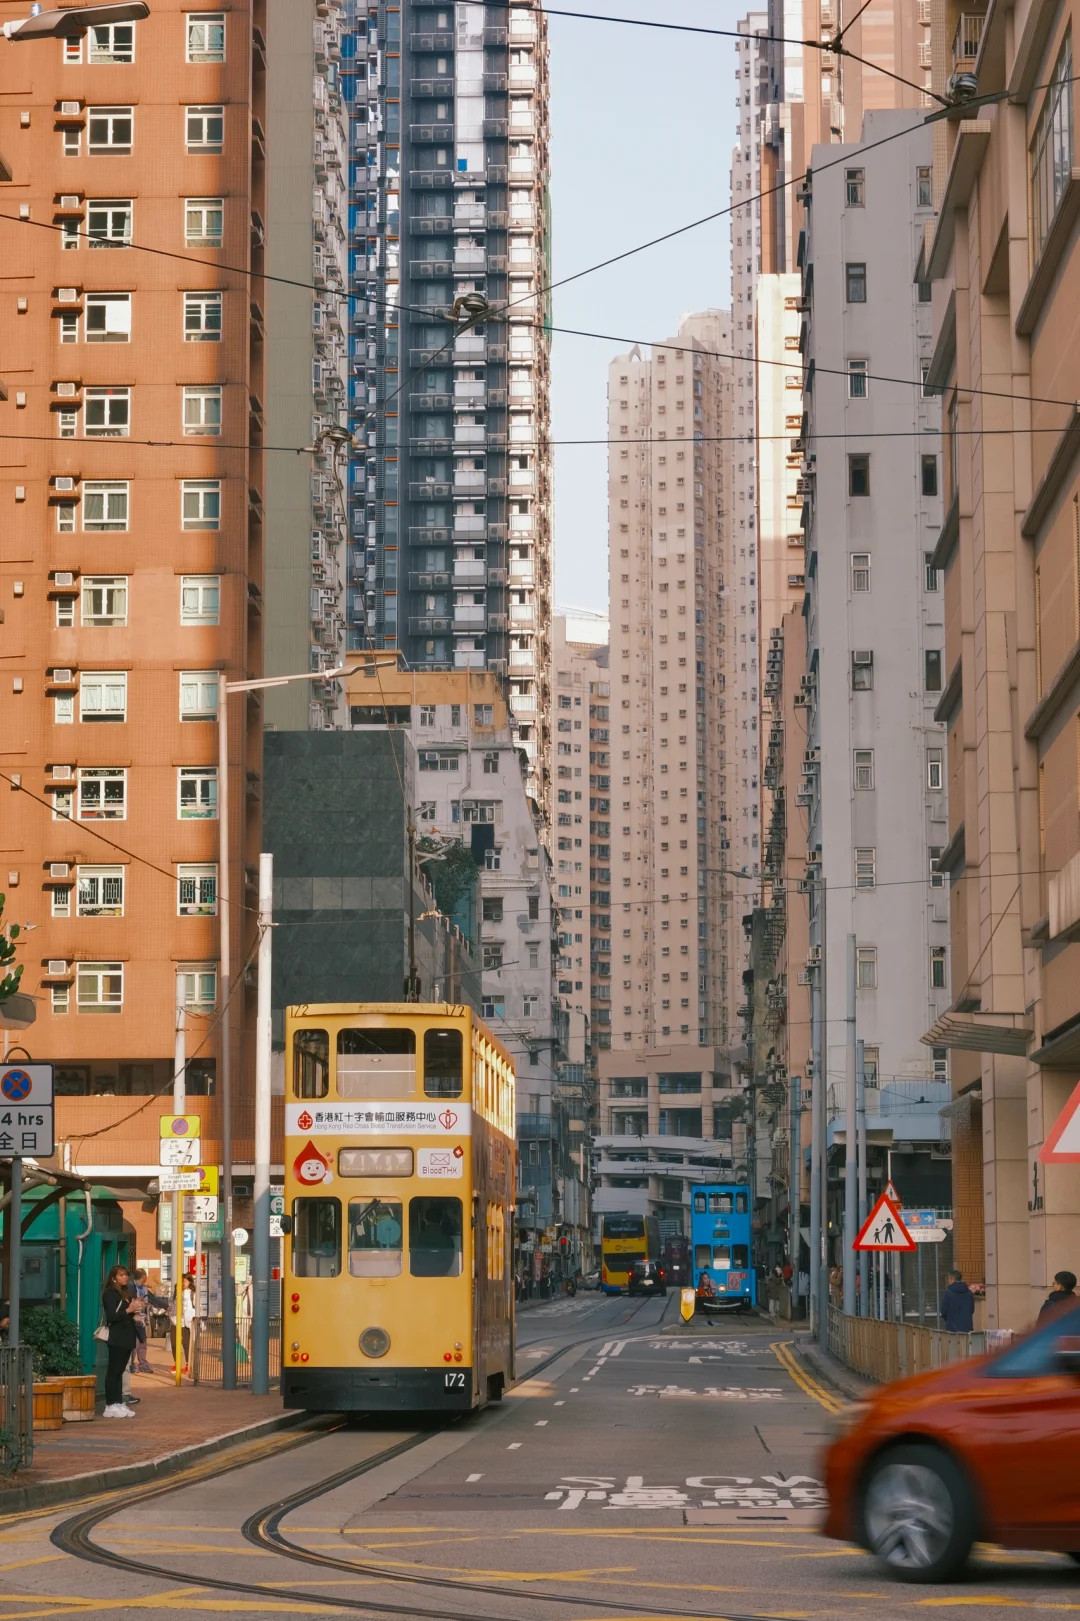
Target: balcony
(469, 572)
(429, 580)
(428, 624)
(431, 402)
(430, 269)
(471, 616)
(966, 40)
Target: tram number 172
(454, 1381)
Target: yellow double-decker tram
(399, 1187)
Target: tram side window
(435, 1237)
(311, 1064)
(740, 1255)
(316, 1245)
(699, 1204)
(375, 1238)
(702, 1256)
(376, 1063)
(443, 1064)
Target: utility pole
(821, 1126)
(228, 1281)
(795, 1176)
(850, 1169)
(179, 1103)
(260, 1247)
(860, 1107)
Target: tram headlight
(374, 1342)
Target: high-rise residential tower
(449, 491)
(668, 483)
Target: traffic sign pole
(15, 1250)
(179, 1106)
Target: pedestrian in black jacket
(958, 1306)
(1062, 1293)
(120, 1311)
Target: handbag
(102, 1333)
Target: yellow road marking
(43, 1559)
(806, 1382)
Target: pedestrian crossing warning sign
(1062, 1146)
(883, 1229)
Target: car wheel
(917, 1514)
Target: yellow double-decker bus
(625, 1239)
(399, 1186)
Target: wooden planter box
(80, 1391)
(49, 1405)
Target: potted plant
(54, 1342)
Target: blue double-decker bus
(720, 1240)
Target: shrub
(54, 1341)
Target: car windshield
(1036, 1355)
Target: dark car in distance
(647, 1278)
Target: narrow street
(645, 1470)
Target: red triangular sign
(883, 1229)
(1062, 1147)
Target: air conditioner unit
(58, 965)
(862, 659)
(67, 390)
(63, 483)
(70, 109)
(800, 700)
(63, 577)
(64, 677)
(62, 773)
(59, 869)
(813, 957)
(803, 977)
(67, 295)
(70, 199)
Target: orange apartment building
(131, 556)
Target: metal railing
(206, 1355)
(889, 1350)
(16, 1408)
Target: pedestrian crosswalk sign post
(884, 1229)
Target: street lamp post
(71, 24)
(260, 1279)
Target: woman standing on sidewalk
(120, 1311)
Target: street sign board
(883, 1229)
(204, 1209)
(180, 1151)
(179, 1180)
(277, 1208)
(928, 1235)
(240, 1236)
(918, 1218)
(891, 1193)
(26, 1110)
(179, 1125)
(1062, 1146)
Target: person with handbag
(118, 1331)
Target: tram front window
(435, 1237)
(311, 1064)
(374, 1238)
(376, 1063)
(316, 1244)
(443, 1070)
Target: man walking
(958, 1306)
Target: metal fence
(891, 1350)
(16, 1408)
(206, 1355)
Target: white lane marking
(469, 1478)
(618, 1348)
(605, 1348)
(574, 1389)
(540, 1423)
(513, 1446)
(560, 1404)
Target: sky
(642, 127)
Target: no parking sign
(26, 1110)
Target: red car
(983, 1450)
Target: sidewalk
(831, 1369)
(171, 1429)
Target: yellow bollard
(686, 1304)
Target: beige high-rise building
(669, 482)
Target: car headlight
(841, 1423)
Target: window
(316, 1237)
(924, 186)
(196, 793)
(376, 1063)
(204, 129)
(444, 1073)
(198, 694)
(109, 223)
(427, 715)
(492, 859)
(200, 599)
(858, 475)
(434, 1237)
(534, 907)
(871, 1065)
(864, 768)
(932, 669)
(69, 326)
(104, 600)
(104, 507)
(107, 413)
(493, 909)
(109, 130)
(931, 572)
(200, 503)
(72, 143)
(492, 956)
(491, 765)
(108, 317)
(937, 877)
(483, 714)
(866, 968)
(311, 1064)
(929, 475)
(196, 891)
(375, 1229)
(865, 867)
(61, 900)
(860, 571)
(855, 188)
(204, 222)
(102, 793)
(862, 671)
(206, 36)
(202, 409)
(925, 292)
(937, 968)
(857, 380)
(1052, 148)
(202, 317)
(60, 998)
(63, 709)
(198, 981)
(99, 987)
(934, 779)
(100, 892)
(107, 44)
(103, 695)
(855, 277)
(940, 1059)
